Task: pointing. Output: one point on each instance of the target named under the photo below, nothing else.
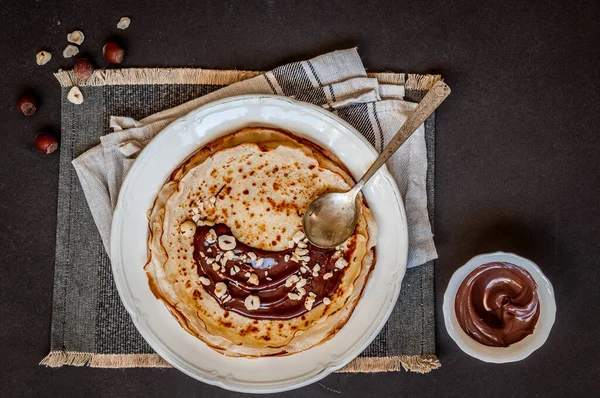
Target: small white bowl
(515, 352)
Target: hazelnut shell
(46, 143)
(27, 105)
(83, 68)
(113, 52)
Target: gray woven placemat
(90, 327)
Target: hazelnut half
(252, 302)
(27, 105)
(123, 23)
(46, 143)
(75, 37)
(75, 96)
(70, 51)
(43, 57)
(113, 52)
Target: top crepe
(255, 185)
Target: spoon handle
(436, 95)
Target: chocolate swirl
(273, 271)
(497, 304)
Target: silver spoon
(331, 218)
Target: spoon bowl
(331, 218)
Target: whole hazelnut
(83, 68)
(46, 143)
(27, 105)
(113, 52)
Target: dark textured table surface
(518, 156)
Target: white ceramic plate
(519, 350)
(130, 231)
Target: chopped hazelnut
(220, 289)
(252, 302)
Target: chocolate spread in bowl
(497, 304)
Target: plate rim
(126, 296)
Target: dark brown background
(517, 163)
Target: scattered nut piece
(83, 68)
(46, 143)
(290, 244)
(204, 280)
(302, 245)
(341, 263)
(305, 258)
(312, 294)
(298, 236)
(301, 291)
(43, 57)
(229, 254)
(76, 37)
(211, 236)
(253, 279)
(317, 267)
(286, 258)
(291, 280)
(209, 223)
(209, 260)
(269, 278)
(113, 52)
(123, 23)
(260, 262)
(196, 219)
(215, 267)
(252, 302)
(188, 228)
(219, 256)
(304, 269)
(70, 51)
(252, 256)
(308, 303)
(231, 271)
(294, 296)
(75, 96)
(220, 289)
(227, 298)
(327, 275)
(326, 300)
(195, 210)
(236, 269)
(301, 283)
(301, 252)
(223, 261)
(27, 105)
(227, 242)
(247, 274)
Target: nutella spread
(497, 304)
(274, 273)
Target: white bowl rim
(519, 350)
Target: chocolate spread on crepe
(227, 255)
(497, 304)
